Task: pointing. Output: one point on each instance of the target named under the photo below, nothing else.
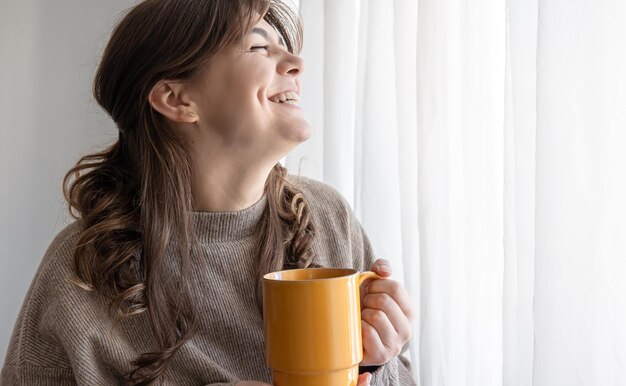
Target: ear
(167, 98)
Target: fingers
(373, 347)
(386, 316)
(390, 339)
(396, 291)
(382, 268)
(364, 379)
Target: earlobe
(165, 98)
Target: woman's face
(236, 97)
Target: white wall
(48, 55)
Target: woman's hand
(386, 316)
(364, 380)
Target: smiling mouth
(288, 101)
(289, 97)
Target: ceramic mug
(312, 323)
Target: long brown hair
(134, 197)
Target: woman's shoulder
(55, 293)
(318, 193)
(61, 248)
(327, 205)
(340, 240)
(55, 272)
(46, 306)
(66, 236)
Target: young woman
(159, 278)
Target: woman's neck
(228, 188)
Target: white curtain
(580, 261)
(481, 143)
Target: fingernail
(385, 268)
(369, 378)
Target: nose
(291, 64)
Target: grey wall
(48, 55)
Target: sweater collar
(211, 227)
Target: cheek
(237, 105)
(244, 90)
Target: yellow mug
(312, 322)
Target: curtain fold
(519, 192)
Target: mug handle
(367, 275)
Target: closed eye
(265, 47)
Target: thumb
(382, 267)
(364, 379)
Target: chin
(299, 133)
(293, 139)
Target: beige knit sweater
(64, 336)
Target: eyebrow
(263, 33)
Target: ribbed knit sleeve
(36, 376)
